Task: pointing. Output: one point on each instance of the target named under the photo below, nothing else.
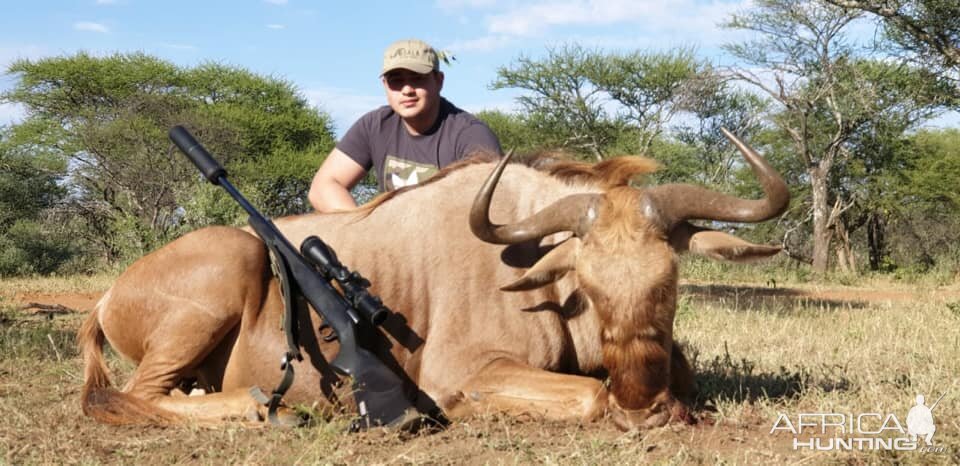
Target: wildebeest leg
(180, 322)
(168, 361)
(509, 386)
(214, 407)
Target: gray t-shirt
(378, 140)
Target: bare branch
(47, 309)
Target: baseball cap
(412, 54)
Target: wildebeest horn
(674, 203)
(573, 213)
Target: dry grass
(757, 354)
(56, 284)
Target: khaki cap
(412, 54)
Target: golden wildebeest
(515, 318)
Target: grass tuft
(38, 338)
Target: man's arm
(477, 137)
(330, 189)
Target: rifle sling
(290, 324)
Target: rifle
(938, 401)
(378, 390)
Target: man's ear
(439, 76)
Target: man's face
(412, 95)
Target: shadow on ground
(724, 378)
(764, 298)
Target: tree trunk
(821, 220)
(846, 260)
(877, 241)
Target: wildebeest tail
(99, 399)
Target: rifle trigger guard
(331, 336)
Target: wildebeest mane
(607, 173)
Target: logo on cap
(414, 55)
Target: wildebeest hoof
(410, 422)
(454, 404)
(260, 412)
(657, 415)
(630, 419)
(286, 417)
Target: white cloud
(90, 27)
(534, 19)
(343, 105)
(685, 15)
(482, 44)
(10, 53)
(276, 2)
(11, 113)
(654, 22)
(949, 120)
(276, 26)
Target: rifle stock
(378, 390)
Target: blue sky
(331, 50)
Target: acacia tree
(930, 219)
(29, 186)
(825, 94)
(586, 100)
(717, 106)
(563, 104)
(651, 88)
(515, 131)
(875, 173)
(927, 31)
(109, 117)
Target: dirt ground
(84, 302)
(46, 425)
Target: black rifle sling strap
(290, 324)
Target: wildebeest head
(623, 213)
(623, 254)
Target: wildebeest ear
(717, 244)
(550, 268)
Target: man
(920, 421)
(406, 141)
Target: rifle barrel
(938, 401)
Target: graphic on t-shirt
(398, 172)
(398, 182)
